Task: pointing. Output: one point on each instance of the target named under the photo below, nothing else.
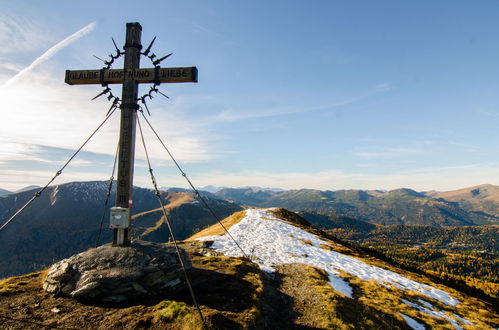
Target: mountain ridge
(399, 206)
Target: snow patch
(438, 314)
(462, 320)
(412, 322)
(270, 241)
(53, 195)
(340, 285)
(426, 304)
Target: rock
(118, 274)
(55, 310)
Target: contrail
(52, 51)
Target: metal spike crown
(153, 89)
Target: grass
(217, 229)
(376, 306)
(289, 216)
(306, 242)
(238, 277)
(379, 310)
(15, 284)
(326, 247)
(177, 315)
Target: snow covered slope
(270, 242)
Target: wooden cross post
(130, 77)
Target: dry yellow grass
(16, 284)
(175, 200)
(216, 229)
(376, 306)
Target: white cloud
(13, 179)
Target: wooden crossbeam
(118, 76)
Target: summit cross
(130, 77)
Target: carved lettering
(118, 76)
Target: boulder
(118, 274)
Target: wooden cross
(130, 76)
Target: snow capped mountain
(270, 241)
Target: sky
(292, 94)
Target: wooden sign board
(118, 76)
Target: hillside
(479, 199)
(457, 238)
(297, 278)
(65, 220)
(464, 255)
(400, 206)
(279, 241)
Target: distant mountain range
(4, 192)
(65, 220)
(465, 207)
(213, 189)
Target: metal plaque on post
(119, 218)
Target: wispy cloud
(388, 153)
(21, 34)
(240, 114)
(52, 51)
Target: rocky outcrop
(118, 274)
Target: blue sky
(291, 94)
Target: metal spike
(117, 49)
(100, 59)
(110, 109)
(149, 47)
(145, 104)
(161, 59)
(102, 93)
(158, 91)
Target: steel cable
(38, 193)
(194, 188)
(167, 220)
(110, 187)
